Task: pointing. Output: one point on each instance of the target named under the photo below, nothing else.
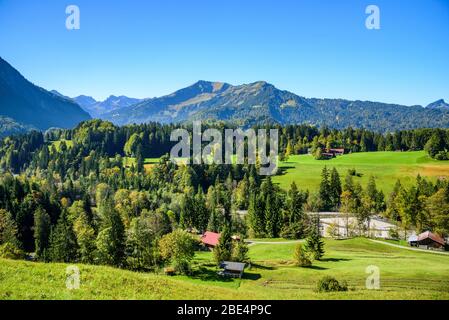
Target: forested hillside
(89, 194)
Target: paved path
(409, 248)
(251, 242)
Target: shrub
(178, 248)
(330, 284)
(10, 251)
(301, 256)
(442, 155)
(354, 173)
(333, 230)
(240, 252)
(393, 233)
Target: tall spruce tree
(8, 229)
(325, 191)
(42, 229)
(256, 213)
(201, 213)
(63, 245)
(223, 251)
(335, 189)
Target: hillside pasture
(404, 274)
(386, 167)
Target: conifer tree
(201, 213)
(301, 256)
(256, 214)
(8, 229)
(314, 244)
(335, 189)
(214, 223)
(325, 191)
(42, 225)
(223, 251)
(240, 252)
(63, 245)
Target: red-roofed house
(430, 240)
(210, 239)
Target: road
(251, 242)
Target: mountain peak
(210, 86)
(260, 83)
(439, 104)
(84, 100)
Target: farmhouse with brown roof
(430, 240)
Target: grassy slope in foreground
(404, 275)
(386, 167)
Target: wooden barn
(429, 240)
(232, 269)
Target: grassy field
(386, 167)
(404, 275)
(57, 144)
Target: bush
(301, 256)
(393, 233)
(178, 248)
(240, 252)
(442, 155)
(330, 284)
(333, 230)
(10, 251)
(354, 173)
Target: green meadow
(404, 274)
(386, 167)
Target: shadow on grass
(283, 170)
(262, 267)
(205, 274)
(315, 268)
(251, 276)
(334, 259)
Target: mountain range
(261, 102)
(24, 106)
(97, 108)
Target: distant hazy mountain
(439, 104)
(261, 102)
(29, 105)
(97, 108)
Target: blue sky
(312, 48)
